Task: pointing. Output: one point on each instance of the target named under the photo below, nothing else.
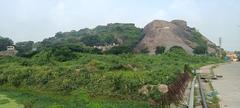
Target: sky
(23, 20)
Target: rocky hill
(118, 38)
(166, 34)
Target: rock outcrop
(166, 34)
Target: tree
(200, 50)
(24, 48)
(59, 34)
(4, 42)
(91, 40)
(160, 50)
(120, 50)
(62, 53)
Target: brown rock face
(162, 33)
(180, 23)
(166, 34)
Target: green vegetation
(160, 50)
(197, 37)
(4, 101)
(70, 70)
(25, 49)
(4, 42)
(145, 51)
(36, 100)
(61, 72)
(126, 36)
(200, 50)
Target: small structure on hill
(106, 47)
(11, 51)
(10, 48)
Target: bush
(160, 50)
(145, 51)
(200, 50)
(4, 101)
(177, 50)
(120, 50)
(63, 54)
(25, 49)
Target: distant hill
(115, 38)
(124, 38)
(166, 34)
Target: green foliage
(67, 65)
(177, 50)
(43, 100)
(145, 51)
(98, 40)
(200, 50)
(4, 42)
(160, 50)
(198, 38)
(4, 101)
(109, 76)
(62, 54)
(119, 50)
(125, 35)
(25, 49)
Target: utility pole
(220, 42)
(220, 46)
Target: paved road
(229, 86)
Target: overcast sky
(35, 20)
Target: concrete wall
(8, 53)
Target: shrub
(145, 51)
(177, 50)
(200, 50)
(120, 50)
(160, 50)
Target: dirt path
(229, 86)
(6, 102)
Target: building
(232, 56)
(106, 47)
(10, 48)
(11, 51)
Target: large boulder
(163, 34)
(160, 33)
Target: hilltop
(101, 67)
(156, 37)
(166, 34)
(120, 38)
(114, 38)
